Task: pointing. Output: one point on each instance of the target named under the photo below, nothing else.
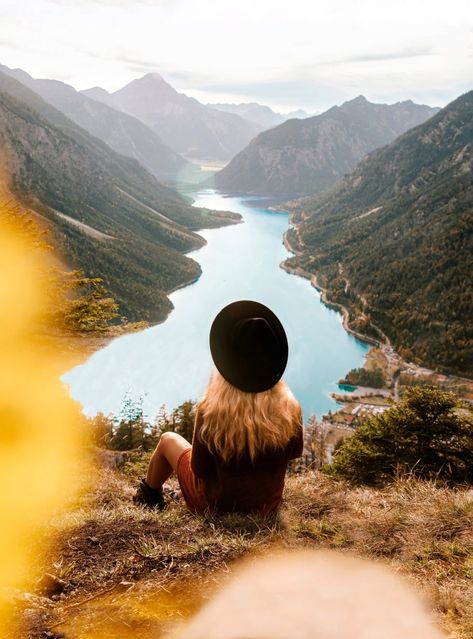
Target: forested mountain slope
(120, 131)
(398, 233)
(108, 215)
(309, 155)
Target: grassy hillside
(116, 567)
(393, 241)
(108, 216)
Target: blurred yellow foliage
(40, 427)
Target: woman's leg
(165, 457)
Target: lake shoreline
(300, 272)
(95, 343)
(262, 233)
(81, 347)
(377, 354)
(386, 348)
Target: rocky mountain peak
(360, 99)
(154, 76)
(300, 157)
(355, 103)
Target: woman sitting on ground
(247, 427)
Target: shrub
(426, 434)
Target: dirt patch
(85, 228)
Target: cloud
(139, 66)
(148, 65)
(126, 4)
(390, 55)
(285, 92)
(217, 50)
(9, 43)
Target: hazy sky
(285, 53)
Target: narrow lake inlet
(170, 362)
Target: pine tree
(183, 418)
(163, 423)
(102, 430)
(131, 429)
(87, 308)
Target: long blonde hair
(235, 422)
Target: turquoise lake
(170, 363)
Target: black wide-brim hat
(249, 346)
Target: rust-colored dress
(241, 485)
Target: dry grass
(422, 531)
(146, 570)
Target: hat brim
(245, 375)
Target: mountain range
(122, 132)
(386, 228)
(307, 156)
(107, 215)
(393, 241)
(259, 113)
(198, 132)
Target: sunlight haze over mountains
(285, 55)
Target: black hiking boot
(150, 497)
